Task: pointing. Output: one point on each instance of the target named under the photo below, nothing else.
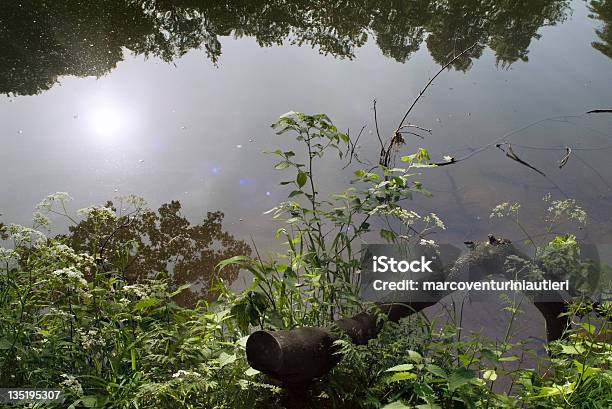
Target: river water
(174, 101)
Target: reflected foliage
(602, 10)
(144, 243)
(43, 41)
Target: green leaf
(400, 368)
(282, 165)
(240, 260)
(5, 344)
(549, 391)
(401, 376)
(145, 303)
(415, 356)
(585, 371)
(396, 405)
(89, 401)
(226, 359)
(251, 372)
(436, 370)
(387, 235)
(572, 349)
(460, 377)
(489, 375)
(301, 179)
(590, 328)
(180, 289)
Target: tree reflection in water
(42, 41)
(143, 243)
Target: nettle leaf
(402, 376)
(400, 368)
(387, 235)
(145, 303)
(301, 179)
(415, 356)
(436, 370)
(226, 359)
(572, 349)
(282, 165)
(460, 377)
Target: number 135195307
(24, 395)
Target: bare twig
(599, 111)
(412, 133)
(352, 146)
(510, 153)
(445, 66)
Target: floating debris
(563, 161)
(239, 146)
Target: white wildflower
(185, 374)
(139, 290)
(22, 235)
(40, 220)
(433, 218)
(429, 243)
(47, 202)
(505, 209)
(98, 212)
(72, 384)
(71, 274)
(7, 254)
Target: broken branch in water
(510, 153)
(599, 111)
(563, 161)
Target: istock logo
(383, 264)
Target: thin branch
(445, 66)
(353, 146)
(382, 145)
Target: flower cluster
(567, 207)
(139, 290)
(71, 384)
(408, 217)
(100, 213)
(186, 374)
(505, 209)
(47, 202)
(71, 275)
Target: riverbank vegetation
(100, 313)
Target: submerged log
(292, 356)
(296, 357)
(300, 355)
